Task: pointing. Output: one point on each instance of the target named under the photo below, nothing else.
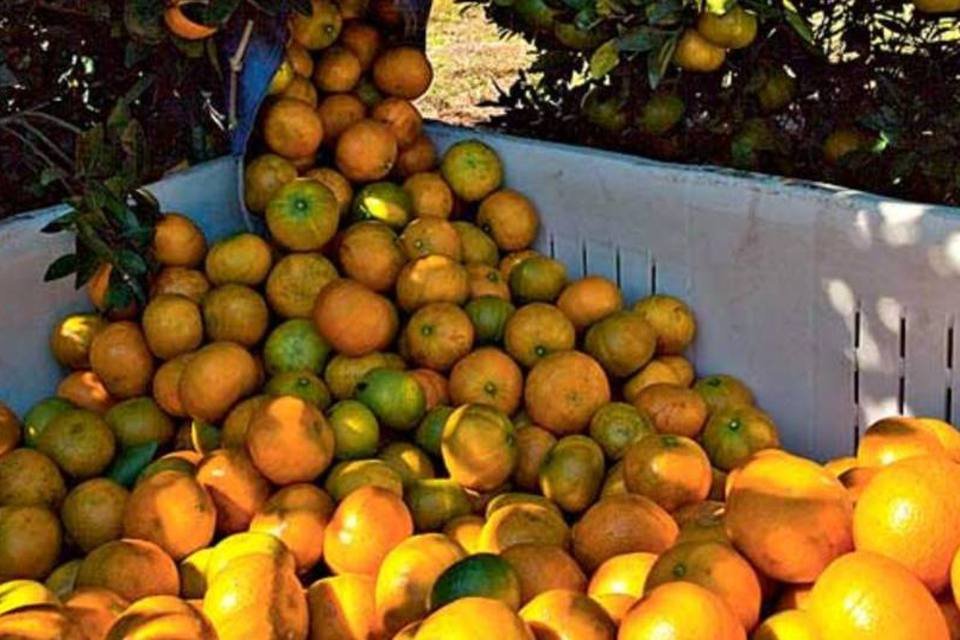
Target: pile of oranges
(392, 418)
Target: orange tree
(864, 93)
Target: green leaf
(639, 40)
(795, 20)
(61, 267)
(59, 224)
(119, 295)
(658, 60)
(93, 157)
(49, 175)
(87, 265)
(132, 263)
(664, 12)
(131, 461)
(605, 59)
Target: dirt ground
(468, 58)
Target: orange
(615, 604)
(542, 568)
(403, 72)
(303, 215)
(671, 319)
(572, 472)
(366, 151)
(429, 192)
(340, 187)
(350, 475)
(80, 442)
(401, 117)
(842, 142)
(527, 522)
(298, 515)
(567, 615)
(337, 113)
(614, 482)
(182, 26)
(856, 480)
(838, 466)
(243, 258)
(893, 439)
(337, 70)
(682, 367)
(735, 433)
(86, 390)
(342, 373)
(172, 326)
(235, 546)
(370, 253)
(120, 357)
(132, 569)
(10, 428)
(431, 236)
(295, 281)
(481, 574)
(620, 524)
(476, 245)
(320, 28)
(946, 433)
(788, 516)
(625, 574)
(616, 425)
(97, 289)
(438, 335)
(418, 157)
(465, 531)
(673, 409)
(681, 611)
(289, 440)
(409, 461)
(501, 500)
(70, 339)
(655, 372)
(434, 386)
(472, 169)
(702, 522)
(533, 445)
(510, 219)
(299, 58)
(696, 53)
(256, 596)
(365, 527)
(92, 513)
(94, 610)
(721, 391)
(734, 29)
(168, 616)
(487, 376)
(342, 607)
(486, 281)
(219, 375)
(909, 501)
(622, 343)
(30, 540)
(62, 579)
(478, 447)
(433, 278)
(863, 595)
(588, 300)
(28, 477)
(178, 241)
(384, 201)
(537, 330)
(433, 502)
(235, 486)
(355, 320)
(564, 390)
(23, 593)
(406, 576)
(538, 278)
(173, 510)
(715, 567)
(179, 281)
(363, 40)
(673, 471)
(292, 128)
(511, 260)
(474, 618)
(235, 313)
(790, 624)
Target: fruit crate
(837, 307)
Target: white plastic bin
(837, 307)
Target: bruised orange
(542, 568)
(620, 524)
(298, 515)
(173, 510)
(289, 440)
(673, 471)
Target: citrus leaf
(59, 224)
(87, 265)
(61, 267)
(795, 20)
(659, 60)
(128, 465)
(132, 263)
(605, 58)
(639, 40)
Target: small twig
(54, 119)
(236, 66)
(44, 139)
(40, 154)
(52, 8)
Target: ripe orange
(624, 574)
(434, 385)
(337, 70)
(788, 516)
(97, 289)
(94, 609)
(28, 477)
(85, 390)
(673, 409)
(465, 531)
(244, 258)
(295, 281)
(478, 447)
(696, 53)
(476, 245)
(472, 169)
(353, 319)
(342, 607)
(863, 595)
(433, 278)
(262, 176)
(510, 219)
(132, 569)
(430, 194)
(681, 610)
(474, 618)
(418, 157)
(365, 527)
(235, 486)
(563, 613)
(167, 615)
(70, 339)
(92, 513)
(673, 471)
(235, 313)
(215, 378)
(370, 253)
(289, 440)
(589, 299)
(620, 524)
(542, 568)
(320, 28)
(366, 151)
(702, 522)
(30, 539)
(178, 241)
(298, 515)
(172, 325)
(572, 472)
(338, 112)
(120, 357)
(655, 372)
(537, 278)
(893, 439)
(292, 128)
(172, 510)
(340, 187)
(431, 236)
(721, 391)
(734, 433)
(486, 281)
(438, 335)
(622, 342)
(533, 444)
(537, 330)
(401, 117)
(363, 40)
(672, 320)
(946, 433)
(487, 376)
(10, 429)
(403, 72)
(790, 623)
(564, 390)
(909, 501)
(179, 281)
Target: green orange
(355, 430)
(303, 215)
(484, 575)
(395, 397)
(295, 345)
